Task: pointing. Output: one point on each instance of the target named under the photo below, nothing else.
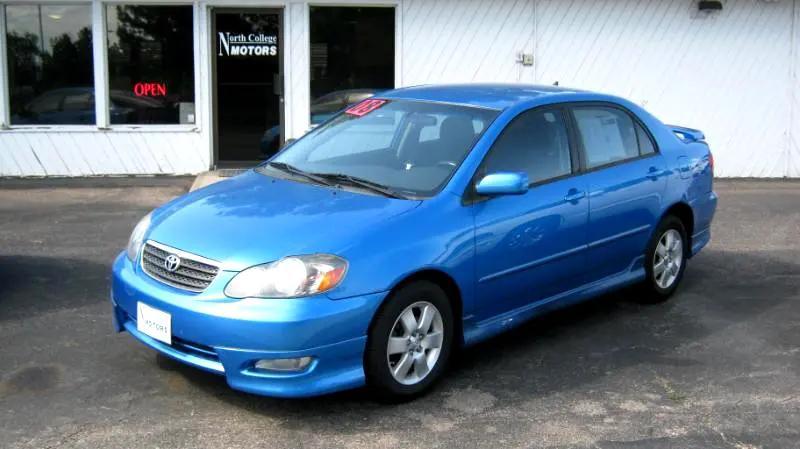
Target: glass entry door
(248, 80)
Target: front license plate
(154, 323)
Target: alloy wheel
(668, 258)
(415, 343)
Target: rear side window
(535, 143)
(608, 135)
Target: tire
(662, 280)
(401, 375)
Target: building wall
(733, 74)
(89, 153)
(728, 74)
(451, 41)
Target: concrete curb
(205, 179)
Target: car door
(626, 177)
(529, 247)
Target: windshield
(410, 147)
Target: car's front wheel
(410, 341)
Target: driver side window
(536, 143)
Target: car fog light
(298, 364)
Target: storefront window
(50, 74)
(150, 64)
(352, 56)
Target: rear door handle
(574, 195)
(654, 172)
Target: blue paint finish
(529, 247)
(502, 184)
(513, 253)
(625, 201)
(273, 218)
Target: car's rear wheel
(665, 260)
(410, 341)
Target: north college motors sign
(253, 44)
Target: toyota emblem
(172, 263)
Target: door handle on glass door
(574, 195)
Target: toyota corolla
(412, 224)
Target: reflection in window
(150, 64)
(385, 145)
(352, 56)
(536, 143)
(49, 60)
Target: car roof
(494, 96)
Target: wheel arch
(443, 280)
(685, 214)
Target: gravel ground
(718, 366)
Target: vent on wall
(709, 5)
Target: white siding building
(732, 73)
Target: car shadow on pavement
(568, 348)
(34, 285)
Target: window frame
(571, 106)
(101, 75)
(106, 80)
(5, 104)
(5, 87)
(577, 151)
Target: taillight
(711, 161)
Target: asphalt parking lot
(716, 367)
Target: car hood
(253, 218)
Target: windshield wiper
(363, 183)
(283, 166)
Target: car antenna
(555, 83)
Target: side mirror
(503, 183)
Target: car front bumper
(226, 336)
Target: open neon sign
(150, 89)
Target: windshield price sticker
(365, 107)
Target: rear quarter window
(646, 145)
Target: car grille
(191, 274)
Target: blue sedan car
(411, 224)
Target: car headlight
(137, 237)
(290, 277)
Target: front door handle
(574, 195)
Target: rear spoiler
(687, 135)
